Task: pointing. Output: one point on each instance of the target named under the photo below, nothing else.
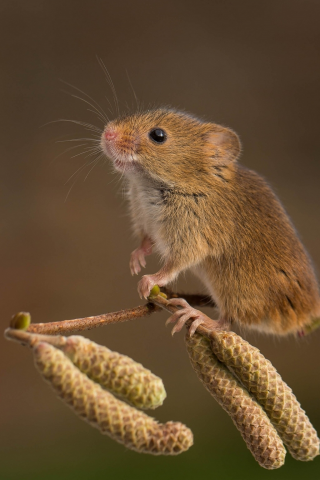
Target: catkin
(261, 379)
(101, 409)
(249, 418)
(118, 373)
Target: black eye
(158, 135)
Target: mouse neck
(198, 187)
(144, 179)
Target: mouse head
(172, 147)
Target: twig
(31, 339)
(88, 323)
(43, 332)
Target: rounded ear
(222, 144)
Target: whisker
(104, 121)
(65, 151)
(109, 103)
(127, 106)
(89, 149)
(88, 126)
(87, 163)
(77, 172)
(69, 191)
(110, 82)
(109, 109)
(96, 111)
(133, 90)
(96, 161)
(97, 140)
(99, 108)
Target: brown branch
(88, 323)
(37, 332)
(31, 339)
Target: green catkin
(247, 415)
(118, 373)
(262, 380)
(101, 409)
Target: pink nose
(110, 135)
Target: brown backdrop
(251, 65)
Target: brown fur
(204, 211)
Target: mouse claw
(194, 325)
(179, 302)
(142, 260)
(184, 314)
(180, 324)
(134, 268)
(145, 285)
(174, 317)
(137, 260)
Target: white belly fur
(146, 202)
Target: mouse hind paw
(184, 314)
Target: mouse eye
(158, 135)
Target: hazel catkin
(116, 372)
(262, 380)
(101, 409)
(247, 415)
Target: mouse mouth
(122, 155)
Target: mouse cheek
(135, 145)
(143, 151)
(128, 146)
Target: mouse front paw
(145, 285)
(137, 260)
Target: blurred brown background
(251, 65)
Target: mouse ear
(222, 144)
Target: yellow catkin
(261, 379)
(118, 373)
(101, 409)
(247, 415)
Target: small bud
(20, 321)
(163, 295)
(118, 373)
(154, 291)
(101, 409)
(262, 380)
(247, 415)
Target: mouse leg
(137, 258)
(147, 282)
(186, 313)
(170, 270)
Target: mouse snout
(119, 146)
(119, 140)
(110, 135)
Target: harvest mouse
(191, 202)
